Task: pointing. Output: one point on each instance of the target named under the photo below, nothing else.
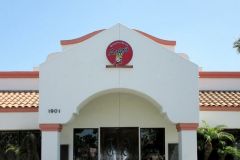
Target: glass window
(86, 144)
(173, 151)
(152, 143)
(22, 144)
(119, 143)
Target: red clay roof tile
(19, 99)
(208, 100)
(219, 100)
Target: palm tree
(236, 45)
(213, 134)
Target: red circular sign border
(122, 49)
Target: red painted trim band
(18, 110)
(220, 108)
(186, 126)
(19, 74)
(219, 74)
(50, 127)
(80, 39)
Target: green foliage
(233, 151)
(27, 150)
(12, 148)
(229, 150)
(216, 138)
(215, 133)
(11, 152)
(236, 45)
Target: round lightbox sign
(119, 53)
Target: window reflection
(21, 144)
(152, 143)
(119, 143)
(173, 151)
(86, 144)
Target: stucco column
(50, 141)
(187, 137)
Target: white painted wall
(219, 84)
(50, 145)
(213, 118)
(69, 46)
(106, 111)
(171, 48)
(19, 83)
(187, 142)
(18, 121)
(71, 77)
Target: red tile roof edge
(220, 108)
(30, 109)
(19, 74)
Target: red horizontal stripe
(19, 74)
(18, 109)
(219, 74)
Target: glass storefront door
(119, 143)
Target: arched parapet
(75, 76)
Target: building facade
(118, 93)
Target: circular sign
(119, 53)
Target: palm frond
(236, 45)
(226, 136)
(233, 151)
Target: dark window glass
(86, 144)
(24, 144)
(119, 143)
(152, 143)
(173, 151)
(64, 152)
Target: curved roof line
(80, 39)
(158, 40)
(87, 36)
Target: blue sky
(205, 30)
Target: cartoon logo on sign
(119, 53)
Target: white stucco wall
(19, 83)
(213, 118)
(171, 48)
(219, 84)
(109, 111)
(74, 75)
(18, 121)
